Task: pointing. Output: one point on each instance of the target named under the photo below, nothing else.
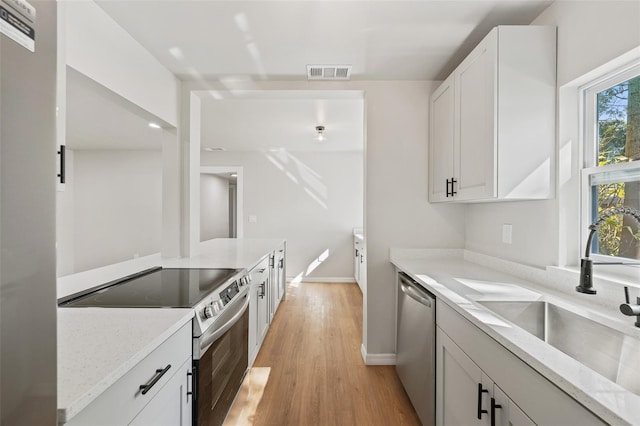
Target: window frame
(588, 136)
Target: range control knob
(208, 312)
(212, 310)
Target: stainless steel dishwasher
(415, 346)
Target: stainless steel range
(220, 300)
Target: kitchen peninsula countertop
(228, 253)
(97, 346)
(460, 284)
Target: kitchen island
(465, 290)
(99, 348)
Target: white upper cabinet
(492, 121)
(441, 147)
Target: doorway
(221, 190)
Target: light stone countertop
(97, 346)
(228, 253)
(217, 253)
(460, 284)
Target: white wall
(590, 33)
(91, 42)
(312, 199)
(397, 213)
(117, 205)
(102, 50)
(214, 207)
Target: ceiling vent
(328, 72)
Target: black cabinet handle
(480, 392)
(62, 154)
(159, 373)
(193, 385)
(262, 292)
(493, 411)
(451, 187)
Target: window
(611, 178)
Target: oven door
(221, 366)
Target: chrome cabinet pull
(159, 373)
(262, 290)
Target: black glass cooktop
(156, 288)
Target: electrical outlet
(507, 231)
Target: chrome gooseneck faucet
(586, 264)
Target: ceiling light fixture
(320, 134)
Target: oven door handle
(207, 340)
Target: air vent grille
(328, 72)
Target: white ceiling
(383, 40)
(284, 120)
(276, 40)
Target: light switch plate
(507, 231)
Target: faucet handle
(627, 308)
(626, 294)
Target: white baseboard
(377, 359)
(324, 279)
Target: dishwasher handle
(408, 287)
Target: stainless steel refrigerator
(27, 212)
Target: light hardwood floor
(310, 372)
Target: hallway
(310, 371)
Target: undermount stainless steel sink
(605, 350)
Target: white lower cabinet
(278, 279)
(479, 382)
(172, 405)
(468, 395)
(165, 400)
(268, 287)
(258, 306)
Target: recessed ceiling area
(274, 120)
(276, 40)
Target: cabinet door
(253, 324)
(506, 412)
(458, 381)
(172, 405)
(441, 143)
(281, 285)
(262, 290)
(475, 81)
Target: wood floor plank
(309, 370)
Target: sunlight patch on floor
(249, 396)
